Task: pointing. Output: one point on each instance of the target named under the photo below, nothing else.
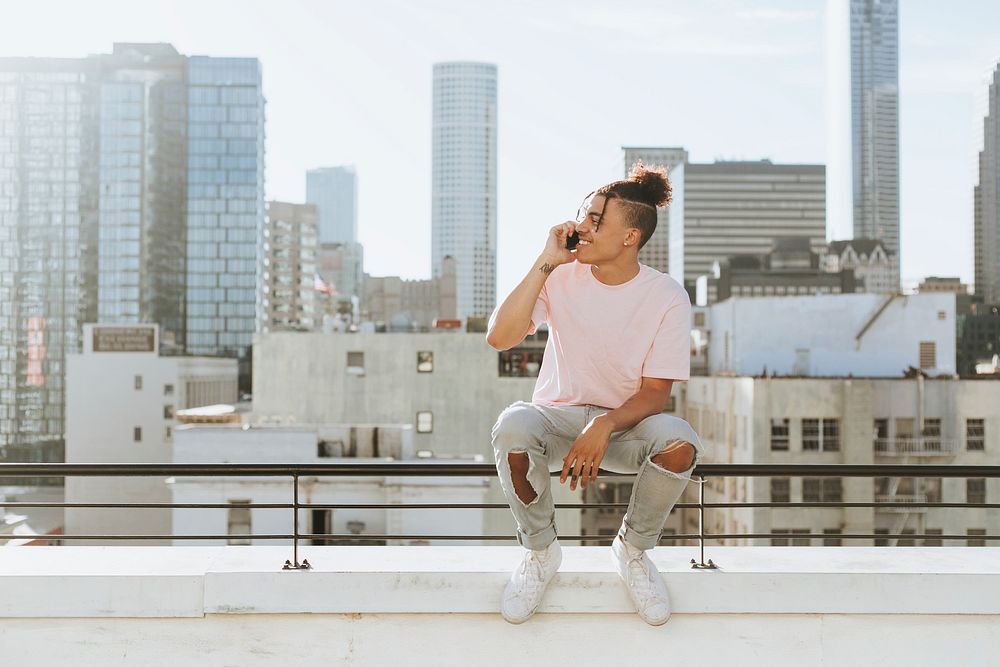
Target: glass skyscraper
(464, 182)
(131, 190)
(334, 192)
(874, 81)
(225, 206)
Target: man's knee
(678, 456)
(516, 427)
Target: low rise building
(849, 421)
(834, 335)
(122, 400)
(875, 268)
(790, 268)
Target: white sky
(350, 83)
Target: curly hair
(639, 196)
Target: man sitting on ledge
(619, 337)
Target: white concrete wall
(438, 605)
(767, 332)
(102, 409)
(304, 376)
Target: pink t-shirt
(603, 339)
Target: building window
(239, 521)
(779, 435)
(520, 362)
(820, 434)
(975, 434)
(975, 490)
(425, 361)
(831, 435)
(136, 434)
(168, 412)
(425, 422)
(168, 434)
(168, 390)
(881, 541)
(832, 541)
(356, 363)
(699, 319)
(780, 490)
(932, 541)
(137, 382)
(975, 543)
(671, 404)
(822, 490)
(810, 435)
(779, 541)
(928, 354)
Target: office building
(334, 192)
(736, 208)
(225, 207)
(863, 80)
(464, 181)
(131, 191)
(289, 270)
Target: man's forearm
(514, 315)
(644, 403)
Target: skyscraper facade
(740, 208)
(875, 119)
(131, 190)
(334, 191)
(225, 206)
(665, 249)
(986, 198)
(464, 183)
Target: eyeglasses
(585, 210)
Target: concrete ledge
(100, 582)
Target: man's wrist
(605, 422)
(546, 264)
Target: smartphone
(572, 240)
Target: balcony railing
(441, 469)
(902, 502)
(916, 446)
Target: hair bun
(653, 184)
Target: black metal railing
(366, 469)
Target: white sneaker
(643, 581)
(527, 584)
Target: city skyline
(715, 63)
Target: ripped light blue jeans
(546, 434)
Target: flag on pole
(321, 285)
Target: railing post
(701, 530)
(294, 563)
